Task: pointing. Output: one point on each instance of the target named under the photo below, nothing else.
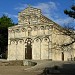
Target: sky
(53, 9)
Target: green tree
(70, 13)
(5, 22)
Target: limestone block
(56, 55)
(36, 49)
(34, 33)
(44, 50)
(11, 35)
(12, 51)
(22, 34)
(41, 32)
(63, 39)
(46, 32)
(20, 50)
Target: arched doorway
(28, 48)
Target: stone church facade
(38, 38)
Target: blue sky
(53, 9)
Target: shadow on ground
(65, 69)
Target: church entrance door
(28, 49)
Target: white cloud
(47, 8)
(22, 6)
(10, 15)
(63, 21)
(66, 22)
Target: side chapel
(38, 38)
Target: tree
(5, 22)
(70, 13)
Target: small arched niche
(47, 29)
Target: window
(42, 27)
(47, 27)
(17, 30)
(23, 29)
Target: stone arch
(13, 42)
(17, 33)
(42, 27)
(20, 49)
(12, 50)
(17, 30)
(28, 48)
(22, 32)
(41, 30)
(23, 29)
(29, 31)
(29, 28)
(30, 39)
(45, 48)
(37, 38)
(21, 41)
(36, 48)
(47, 27)
(11, 34)
(46, 39)
(34, 18)
(35, 28)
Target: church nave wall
(20, 50)
(12, 51)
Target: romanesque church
(38, 38)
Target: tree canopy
(70, 13)
(5, 22)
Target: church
(36, 37)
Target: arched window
(29, 31)
(47, 27)
(17, 30)
(23, 29)
(46, 39)
(12, 31)
(42, 27)
(37, 39)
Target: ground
(15, 70)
